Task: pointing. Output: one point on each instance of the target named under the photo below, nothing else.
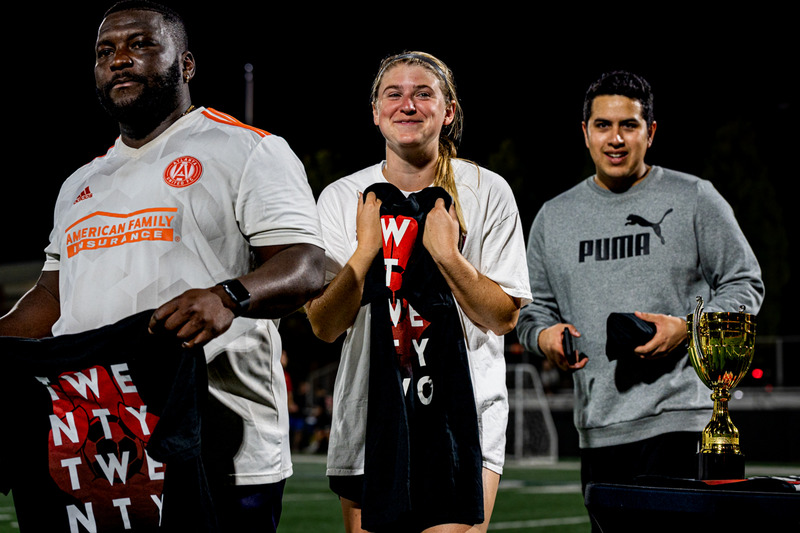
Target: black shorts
(348, 487)
(670, 454)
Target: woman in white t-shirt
(477, 246)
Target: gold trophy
(721, 347)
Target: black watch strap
(239, 294)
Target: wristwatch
(239, 294)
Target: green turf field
(532, 499)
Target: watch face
(238, 294)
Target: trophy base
(720, 466)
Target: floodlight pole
(248, 94)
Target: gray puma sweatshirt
(653, 248)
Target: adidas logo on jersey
(84, 195)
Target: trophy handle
(698, 311)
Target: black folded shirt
(624, 332)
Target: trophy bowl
(721, 347)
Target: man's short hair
(171, 17)
(621, 83)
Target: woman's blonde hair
(451, 133)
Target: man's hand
(670, 333)
(550, 343)
(195, 317)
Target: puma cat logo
(656, 226)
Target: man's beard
(143, 113)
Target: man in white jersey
(206, 220)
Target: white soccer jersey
(137, 227)
(494, 245)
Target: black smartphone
(568, 346)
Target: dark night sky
(521, 79)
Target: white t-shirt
(138, 227)
(494, 245)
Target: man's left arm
(285, 278)
(728, 264)
(727, 260)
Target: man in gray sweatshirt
(633, 238)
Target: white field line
(542, 522)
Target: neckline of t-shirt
(653, 176)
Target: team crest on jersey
(183, 171)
